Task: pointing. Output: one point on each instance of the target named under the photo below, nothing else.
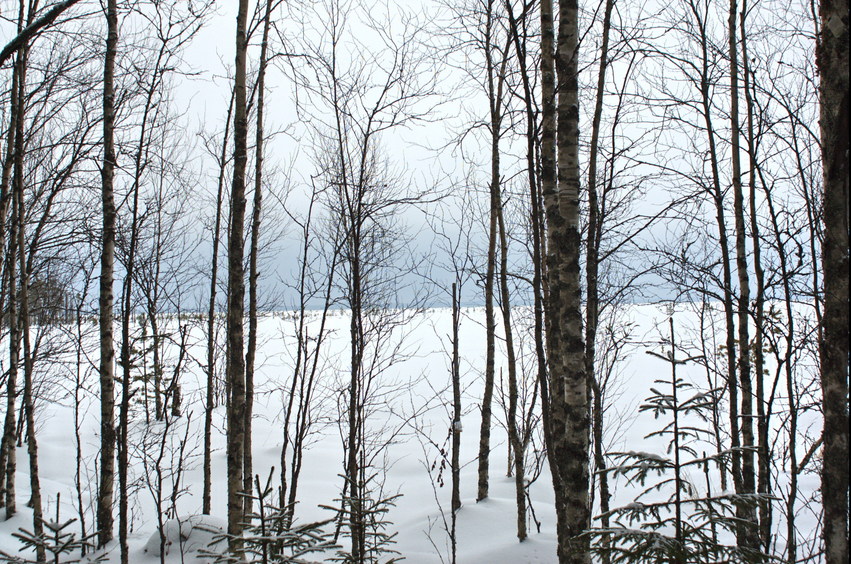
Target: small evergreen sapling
(670, 520)
(372, 509)
(270, 538)
(57, 541)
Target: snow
(185, 536)
(412, 415)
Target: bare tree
(569, 418)
(316, 281)
(496, 60)
(34, 27)
(211, 317)
(23, 322)
(592, 266)
(7, 450)
(356, 103)
(236, 295)
(748, 536)
(253, 274)
(515, 436)
(107, 346)
(763, 487)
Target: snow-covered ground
(410, 416)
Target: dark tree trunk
(155, 348)
(107, 346)
(535, 220)
(490, 353)
(253, 274)
(236, 295)
(306, 369)
(592, 302)
(456, 415)
(7, 446)
(355, 438)
(748, 535)
(786, 364)
(516, 443)
(490, 274)
(211, 322)
(832, 59)
(24, 327)
(127, 310)
(762, 416)
(717, 195)
(12, 377)
(548, 194)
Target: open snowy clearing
(410, 418)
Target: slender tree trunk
(156, 365)
(355, 438)
(748, 535)
(236, 295)
(211, 321)
(24, 325)
(126, 316)
(785, 282)
(298, 371)
(535, 220)
(566, 349)
(12, 377)
(124, 414)
(490, 354)
(107, 346)
(678, 479)
(16, 307)
(597, 426)
(717, 196)
(289, 486)
(516, 444)
(495, 86)
(5, 199)
(174, 390)
(307, 378)
(490, 275)
(832, 59)
(794, 469)
(7, 447)
(161, 397)
(548, 194)
(78, 388)
(253, 275)
(592, 302)
(456, 415)
(762, 416)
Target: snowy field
(410, 418)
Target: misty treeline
(569, 159)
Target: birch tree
(569, 420)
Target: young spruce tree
(674, 519)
